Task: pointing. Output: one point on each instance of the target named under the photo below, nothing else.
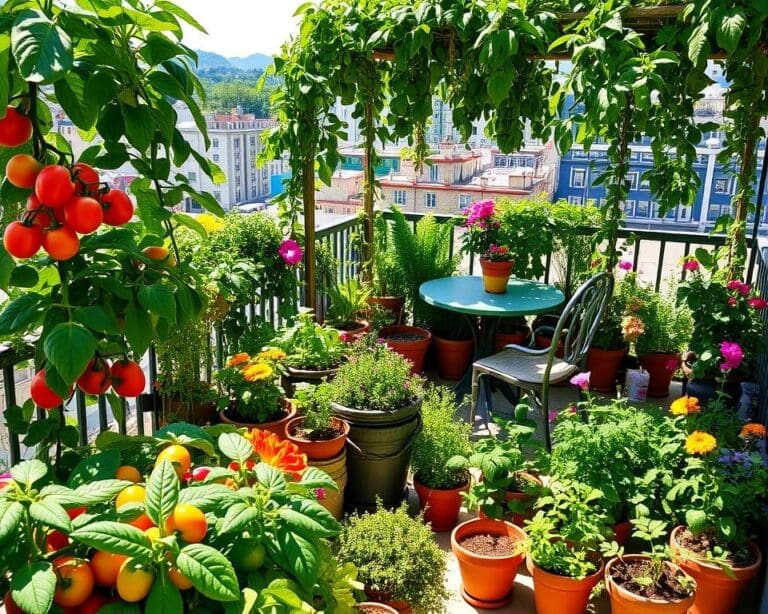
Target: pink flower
(732, 354)
(581, 380)
(625, 265)
(573, 409)
(732, 301)
(320, 494)
(552, 416)
(673, 363)
(480, 211)
(5, 479)
(739, 286)
(290, 252)
(691, 265)
(757, 303)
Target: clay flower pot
(295, 376)
(603, 366)
(322, 449)
(453, 357)
(496, 275)
(372, 607)
(556, 594)
(410, 342)
(391, 304)
(487, 581)
(276, 426)
(441, 505)
(354, 331)
(517, 338)
(658, 366)
(626, 602)
(716, 592)
(379, 597)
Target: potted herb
(253, 397)
(442, 437)
(317, 433)
(564, 540)
(375, 392)
(389, 282)
(648, 582)
(312, 352)
(609, 345)
(348, 301)
(397, 559)
(481, 237)
(452, 342)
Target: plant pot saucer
(486, 605)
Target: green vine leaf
(42, 50)
(69, 347)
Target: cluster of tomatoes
(124, 376)
(65, 201)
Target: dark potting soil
(233, 415)
(318, 435)
(488, 544)
(667, 588)
(372, 609)
(404, 337)
(741, 556)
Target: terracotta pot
(277, 426)
(523, 498)
(354, 332)
(603, 366)
(496, 275)
(196, 412)
(555, 594)
(298, 376)
(321, 449)
(716, 592)
(391, 304)
(441, 505)
(372, 607)
(517, 338)
(487, 582)
(415, 351)
(622, 531)
(453, 357)
(625, 602)
(544, 341)
(657, 365)
(398, 605)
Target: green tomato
(248, 554)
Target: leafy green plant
(316, 408)
(389, 278)
(251, 386)
(443, 436)
(309, 345)
(349, 300)
(397, 557)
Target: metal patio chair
(536, 370)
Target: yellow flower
(238, 359)
(273, 354)
(700, 442)
(258, 372)
(754, 430)
(684, 406)
(211, 223)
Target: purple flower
(581, 380)
(320, 494)
(290, 252)
(691, 265)
(552, 416)
(625, 265)
(732, 355)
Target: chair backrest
(580, 318)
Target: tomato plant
(83, 214)
(22, 171)
(74, 582)
(15, 128)
(22, 240)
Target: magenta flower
(5, 479)
(552, 416)
(691, 265)
(732, 301)
(573, 409)
(480, 211)
(581, 380)
(290, 252)
(736, 285)
(320, 494)
(732, 355)
(757, 303)
(625, 265)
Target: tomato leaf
(309, 518)
(42, 50)
(11, 513)
(210, 572)
(32, 587)
(208, 497)
(138, 329)
(164, 596)
(51, 514)
(162, 492)
(235, 447)
(22, 313)
(69, 347)
(317, 478)
(115, 537)
(99, 466)
(28, 472)
(300, 554)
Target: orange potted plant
(481, 237)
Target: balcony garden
(227, 413)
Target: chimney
(484, 182)
(446, 148)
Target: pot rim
(486, 521)
(416, 330)
(298, 419)
(694, 558)
(289, 409)
(314, 372)
(609, 580)
(600, 570)
(460, 488)
(376, 416)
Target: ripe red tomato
(75, 581)
(74, 512)
(22, 240)
(92, 605)
(128, 379)
(61, 243)
(83, 214)
(96, 377)
(54, 186)
(22, 170)
(55, 541)
(118, 208)
(42, 218)
(15, 128)
(10, 605)
(86, 178)
(41, 393)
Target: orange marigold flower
(278, 453)
(632, 327)
(272, 354)
(753, 430)
(258, 372)
(684, 406)
(238, 359)
(700, 442)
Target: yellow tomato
(134, 581)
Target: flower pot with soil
(603, 366)
(196, 405)
(489, 553)
(453, 345)
(371, 607)
(556, 593)
(411, 342)
(437, 481)
(318, 441)
(349, 300)
(392, 306)
(718, 590)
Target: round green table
(465, 295)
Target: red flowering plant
(726, 322)
(482, 232)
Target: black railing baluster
(660, 265)
(9, 386)
(636, 255)
(548, 267)
(82, 418)
(686, 253)
(103, 420)
(121, 423)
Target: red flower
(732, 301)
(757, 303)
(279, 453)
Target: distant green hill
(215, 62)
(255, 61)
(207, 60)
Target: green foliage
(348, 301)
(443, 436)
(309, 345)
(397, 556)
(374, 379)
(251, 386)
(315, 405)
(389, 278)
(226, 95)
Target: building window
(253, 192)
(215, 143)
(465, 200)
(642, 208)
(253, 141)
(722, 186)
(500, 161)
(217, 195)
(237, 143)
(215, 157)
(645, 185)
(647, 156)
(433, 173)
(430, 200)
(237, 166)
(400, 197)
(192, 176)
(578, 177)
(631, 181)
(238, 195)
(580, 153)
(575, 200)
(629, 208)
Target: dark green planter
(294, 376)
(378, 454)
